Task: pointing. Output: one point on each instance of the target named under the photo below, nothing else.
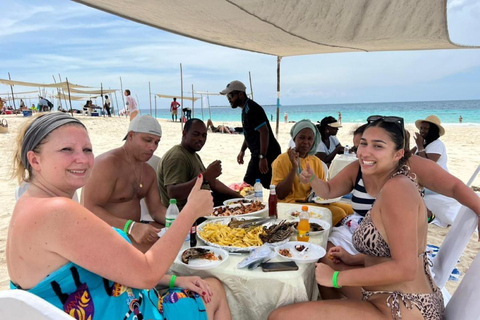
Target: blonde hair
(18, 170)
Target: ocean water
(447, 111)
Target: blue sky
(50, 37)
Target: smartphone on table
(279, 266)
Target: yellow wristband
(172, 281)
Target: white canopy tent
(288, 28)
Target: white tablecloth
(340, 162)
(253, 294)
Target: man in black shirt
(258, 134)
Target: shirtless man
(121, 178)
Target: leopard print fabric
(367, 240)
(429, 304)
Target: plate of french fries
(253, 208)
(218, 233)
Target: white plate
(225, 221)
(325, 225)
(255, 213)
(313, 253)
(231, 201)
(315, 211)
(320, 200)
(204, 264)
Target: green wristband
(311, 178)
(125, 229)
(172, 281)
(334, 280)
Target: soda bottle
(172, 213)
(193, 235)
(304, 225)
(258, 190)
(272, 202)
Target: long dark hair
(399, 135)
(433, 134)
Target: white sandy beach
(462, 142)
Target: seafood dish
(238, 209)
(285, 253)
(199, 253)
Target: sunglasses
(398, 121)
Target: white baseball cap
(235, 85)
(145, 124)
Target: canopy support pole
(251, 87)
(116, 101)
(63, 91)
(69, 98)
(181, 94)
(58, 92)
(150, 95)
(11, 88)
(279, 59)
(122, 94)
(103, 103)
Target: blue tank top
(86, 295)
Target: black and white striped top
(361, 200)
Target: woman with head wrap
(63, 253)
(288, 166)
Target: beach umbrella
(285, 28)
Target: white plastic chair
(455, 242)
(22, 305)
(452, 247)
(464, 302)
(145, 216)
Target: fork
(301, 253)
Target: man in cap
(180, 166)
(121, 178)
(259, 137)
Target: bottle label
(168, 222)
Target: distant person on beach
(106, 106)
(131, 106)
(222, 128)
(392, 270)
(174, 109)
(187, 113)
(180, 166)
(460, 119)
(330, 146)
(285, 117)
(121, 178)
(43, 105)
(78, 263)
(286, 168)
(259, 137)
(340, 117)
